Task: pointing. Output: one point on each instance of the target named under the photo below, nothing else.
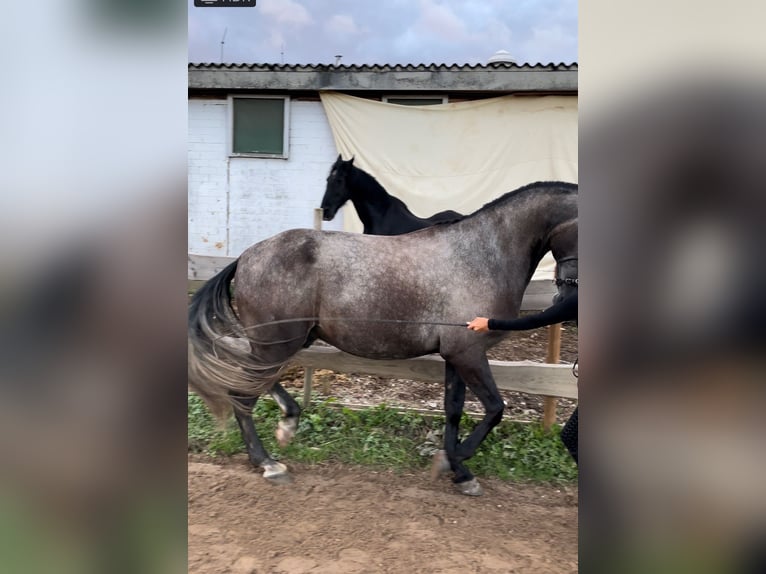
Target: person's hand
(479, 324)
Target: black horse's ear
(339, 159)
(351, 161)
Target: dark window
(258, 126)
(415, 101)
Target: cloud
(342, 24)
(497, 35)
(276, 39)
(402, 32)
(440, 21)
(287, 12)
(548, 43)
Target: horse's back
(286, 250)
(301, 255)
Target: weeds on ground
(387, 438)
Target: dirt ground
(335, 519)
(340, 519)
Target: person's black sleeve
(564, 310)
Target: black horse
(380, 298)
(380, 212)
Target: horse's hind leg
(291, 413)
(276, 356)
(273, 470)
(272, 353)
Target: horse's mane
(368, 181)
(561, 187)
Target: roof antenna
(337, 59)
(223, 38)
(282, 53)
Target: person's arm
(564, 310)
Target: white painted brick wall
(235, 202)
(207, 165)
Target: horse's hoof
(285, 433)
(276, 473)
(440, 464)
(470, 487)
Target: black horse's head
(337, 191)
(564, 249)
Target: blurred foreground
(92, 298)
(673, 212)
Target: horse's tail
(220, 365)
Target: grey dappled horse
(380, 212)
(302, 285)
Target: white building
(260, 145)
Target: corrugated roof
(380, 67)
(500, 77)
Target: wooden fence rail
(522, 376)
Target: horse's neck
(529, 229)
(370, 200)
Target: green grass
(387, 438)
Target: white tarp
(460, 155)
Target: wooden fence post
(318, 212)
(309, 371)
(554, 352)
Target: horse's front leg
(272, 470)
(475, 373)
(291, 413)
(454, 399)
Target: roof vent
(501, 57)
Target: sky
(385, 31)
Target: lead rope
(350, 319)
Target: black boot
(569, 435)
